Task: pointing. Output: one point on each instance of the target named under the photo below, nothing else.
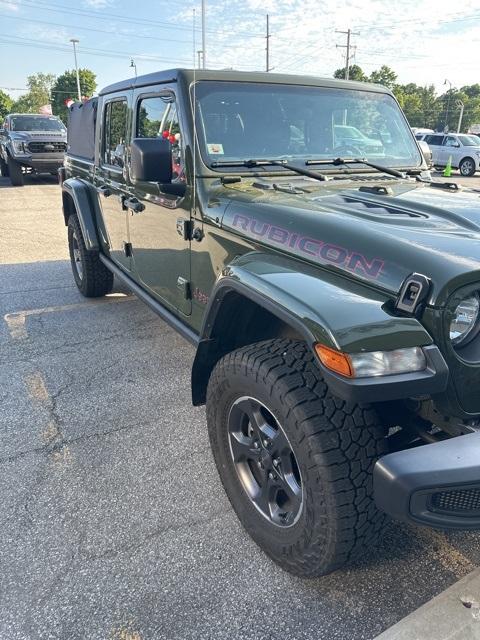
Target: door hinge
(184, 286)
(185, 228)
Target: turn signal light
(334, 360)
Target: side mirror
(426, 152)
(151, 160)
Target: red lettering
(371, 268)
(334, 254)
(241, 221)
(278, 235)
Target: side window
(436, 141)
(157, 118)
(115, 132)
(450, 141)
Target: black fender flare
(86, 208)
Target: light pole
(74, 41)
(461, 106)
(133, 65)
(448, 104)
(204, 51)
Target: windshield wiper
(342, 161)
(267, 163)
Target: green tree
(355, 73)
(39, 88)
(385, 76)
(66, 87)
(6, 104)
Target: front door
(110, 180)
(161, 254)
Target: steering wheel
(349, 150)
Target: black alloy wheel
(265, 462)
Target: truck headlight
(465, 320)
(372, 363)
(18, 146)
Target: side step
(437, 485)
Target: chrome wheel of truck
(270, 413)
(467, 167)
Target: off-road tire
(467, 167)
(336, 444)
(3, 168)
(15, 172)
(95, 279)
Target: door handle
(105, 191)
(134, 205)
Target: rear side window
(115, 133)
(435, 140)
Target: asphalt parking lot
(114, 524)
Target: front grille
(458, 501)
(52, 147)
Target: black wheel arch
(77, 198)
(237, 316)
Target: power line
(124, 18)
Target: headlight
(464, 323)
(18, 146)
(372, 363)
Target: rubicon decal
(323, 252)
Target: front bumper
(49, 164)
(437, 485)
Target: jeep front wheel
(295, 461)
(3, 168)
(15, 172)
(92, 277)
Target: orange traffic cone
(448, 169)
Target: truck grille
(459, 501)
(52, 147)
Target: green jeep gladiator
(331, 290)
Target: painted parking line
(16, 322)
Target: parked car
(349, 136)
(31, 143)
(333, 302)
(463, 149)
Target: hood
(28, 136)
(347, 226)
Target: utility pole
(204, 51)
(74, 41)
(348, 33)
(461, 106)
(267, 47)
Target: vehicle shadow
(30, 180)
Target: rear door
(435, 141)
(451, 148)
(110, 180)
(161, 250)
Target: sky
(426, 41)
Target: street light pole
(448, 103)
(461, 106)
(74, 41)
(204, 50)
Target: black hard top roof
(188, 75)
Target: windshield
(241, 121)
(469, 141)
(36, 123)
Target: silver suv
(463, 149)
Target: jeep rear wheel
(15, 172)
(91, 276)
(467, 167)
(295, 461)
